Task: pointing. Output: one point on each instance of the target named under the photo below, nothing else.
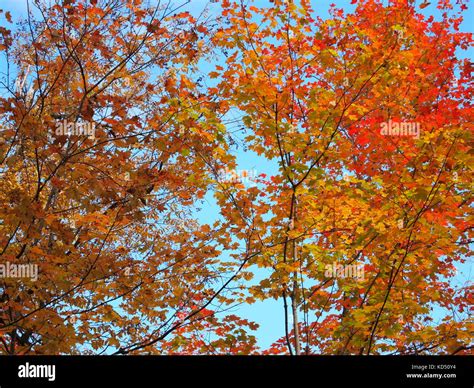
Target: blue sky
(268, 314)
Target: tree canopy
(118, 123)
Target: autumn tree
(108, 143)
(116, 125)
(316, 96)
